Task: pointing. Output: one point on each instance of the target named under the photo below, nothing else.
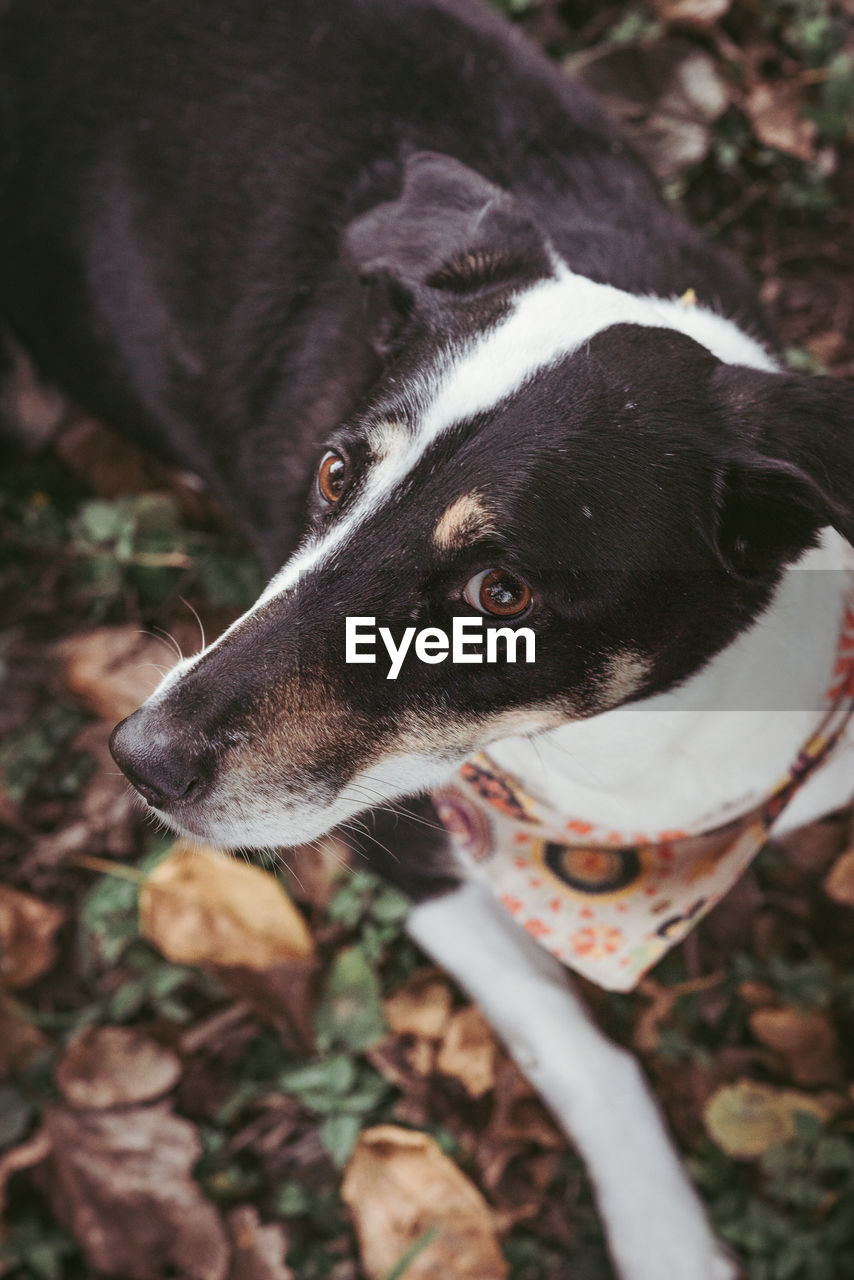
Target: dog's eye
(332, 476)
(497, 592)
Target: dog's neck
(710, 750)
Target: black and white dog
(417, 315)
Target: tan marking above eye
(464, 521)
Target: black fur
(240, 232)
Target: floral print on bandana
(609, 907)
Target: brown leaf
(804, 1037)
(205, 908)
(27, 930)
(114, 1066)
(747, 1118)
(20, 1040)
(775, 113)
(282, 995)
(667, 96)
(259, 1251)
(468, 1052)
(201, 907)
(121, 1182)
(518, 1115)
(113, 669)
(313, 871)
(839, 883)
(421, 1007)
(399, 1185)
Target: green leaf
(291, 1200)
(333, 1076)
(349, 1014)
(339, 1134)
(390, 906)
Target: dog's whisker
(170, 644)
(369, 835)
(198, 619)
(161, 671)
(171, 639)
(388, 806)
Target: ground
(185, 1074)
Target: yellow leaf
(747, 1118)
(839, 883)
(400, 1187)
(468, 1052)
(202, 907)
(421, 1007)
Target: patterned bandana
(605, 907)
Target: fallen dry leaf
(839, 883)
(667, 96)
(283, 996)
(113, 669)
(115, 1066)
(20, 1040)
(518, 1115)
(259, 1250)
(27, 930)
(202, 907)
(774, 111)
(399, 1185)
(747, 1118)
(313, 871)
(205, 908)
(804, 1037)
(121, 1182)
(421, 1007)
(468, 1052)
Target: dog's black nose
(158, 767)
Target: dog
(411, 307)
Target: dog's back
(184, 183)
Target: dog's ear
(789, 464)
(450, 231)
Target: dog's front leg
(655, 1223)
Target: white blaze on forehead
(385, 439)
(547, 323)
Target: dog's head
(541, 452)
